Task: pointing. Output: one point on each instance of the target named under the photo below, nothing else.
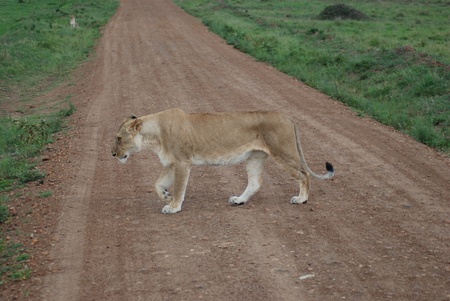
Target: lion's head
(128, 140)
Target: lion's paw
(235, 200)
(169, 209)
(298, 200)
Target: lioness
(182, 140)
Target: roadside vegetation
(38, 50)
(388, 59)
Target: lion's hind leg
(293, 165)
(254, 166)
(304, 182)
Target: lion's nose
(113, 154)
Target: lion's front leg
(180, 179)
(164, 182)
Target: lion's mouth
(123, 159)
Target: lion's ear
(131, 117)
(136, 125)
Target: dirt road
(379, 231)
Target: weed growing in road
(45, 194)
(394, 64)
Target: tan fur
(182, 140)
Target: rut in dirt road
(378, 231)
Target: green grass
(395, 66)
(38, 50)
(4, 211)
(37, 45)
(45, 194)
(13, 262)
(21, 140)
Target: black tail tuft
(330, 167)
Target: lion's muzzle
(122, 158)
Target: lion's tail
(329, 166)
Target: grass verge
(38, 50)
(393, 65)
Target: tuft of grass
(4, 211)
(45, 194)
(13, 262)
(395, 68)
(21, 140)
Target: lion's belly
(227, 154)
(228, 159)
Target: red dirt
(378, 231)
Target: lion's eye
(118, 139)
